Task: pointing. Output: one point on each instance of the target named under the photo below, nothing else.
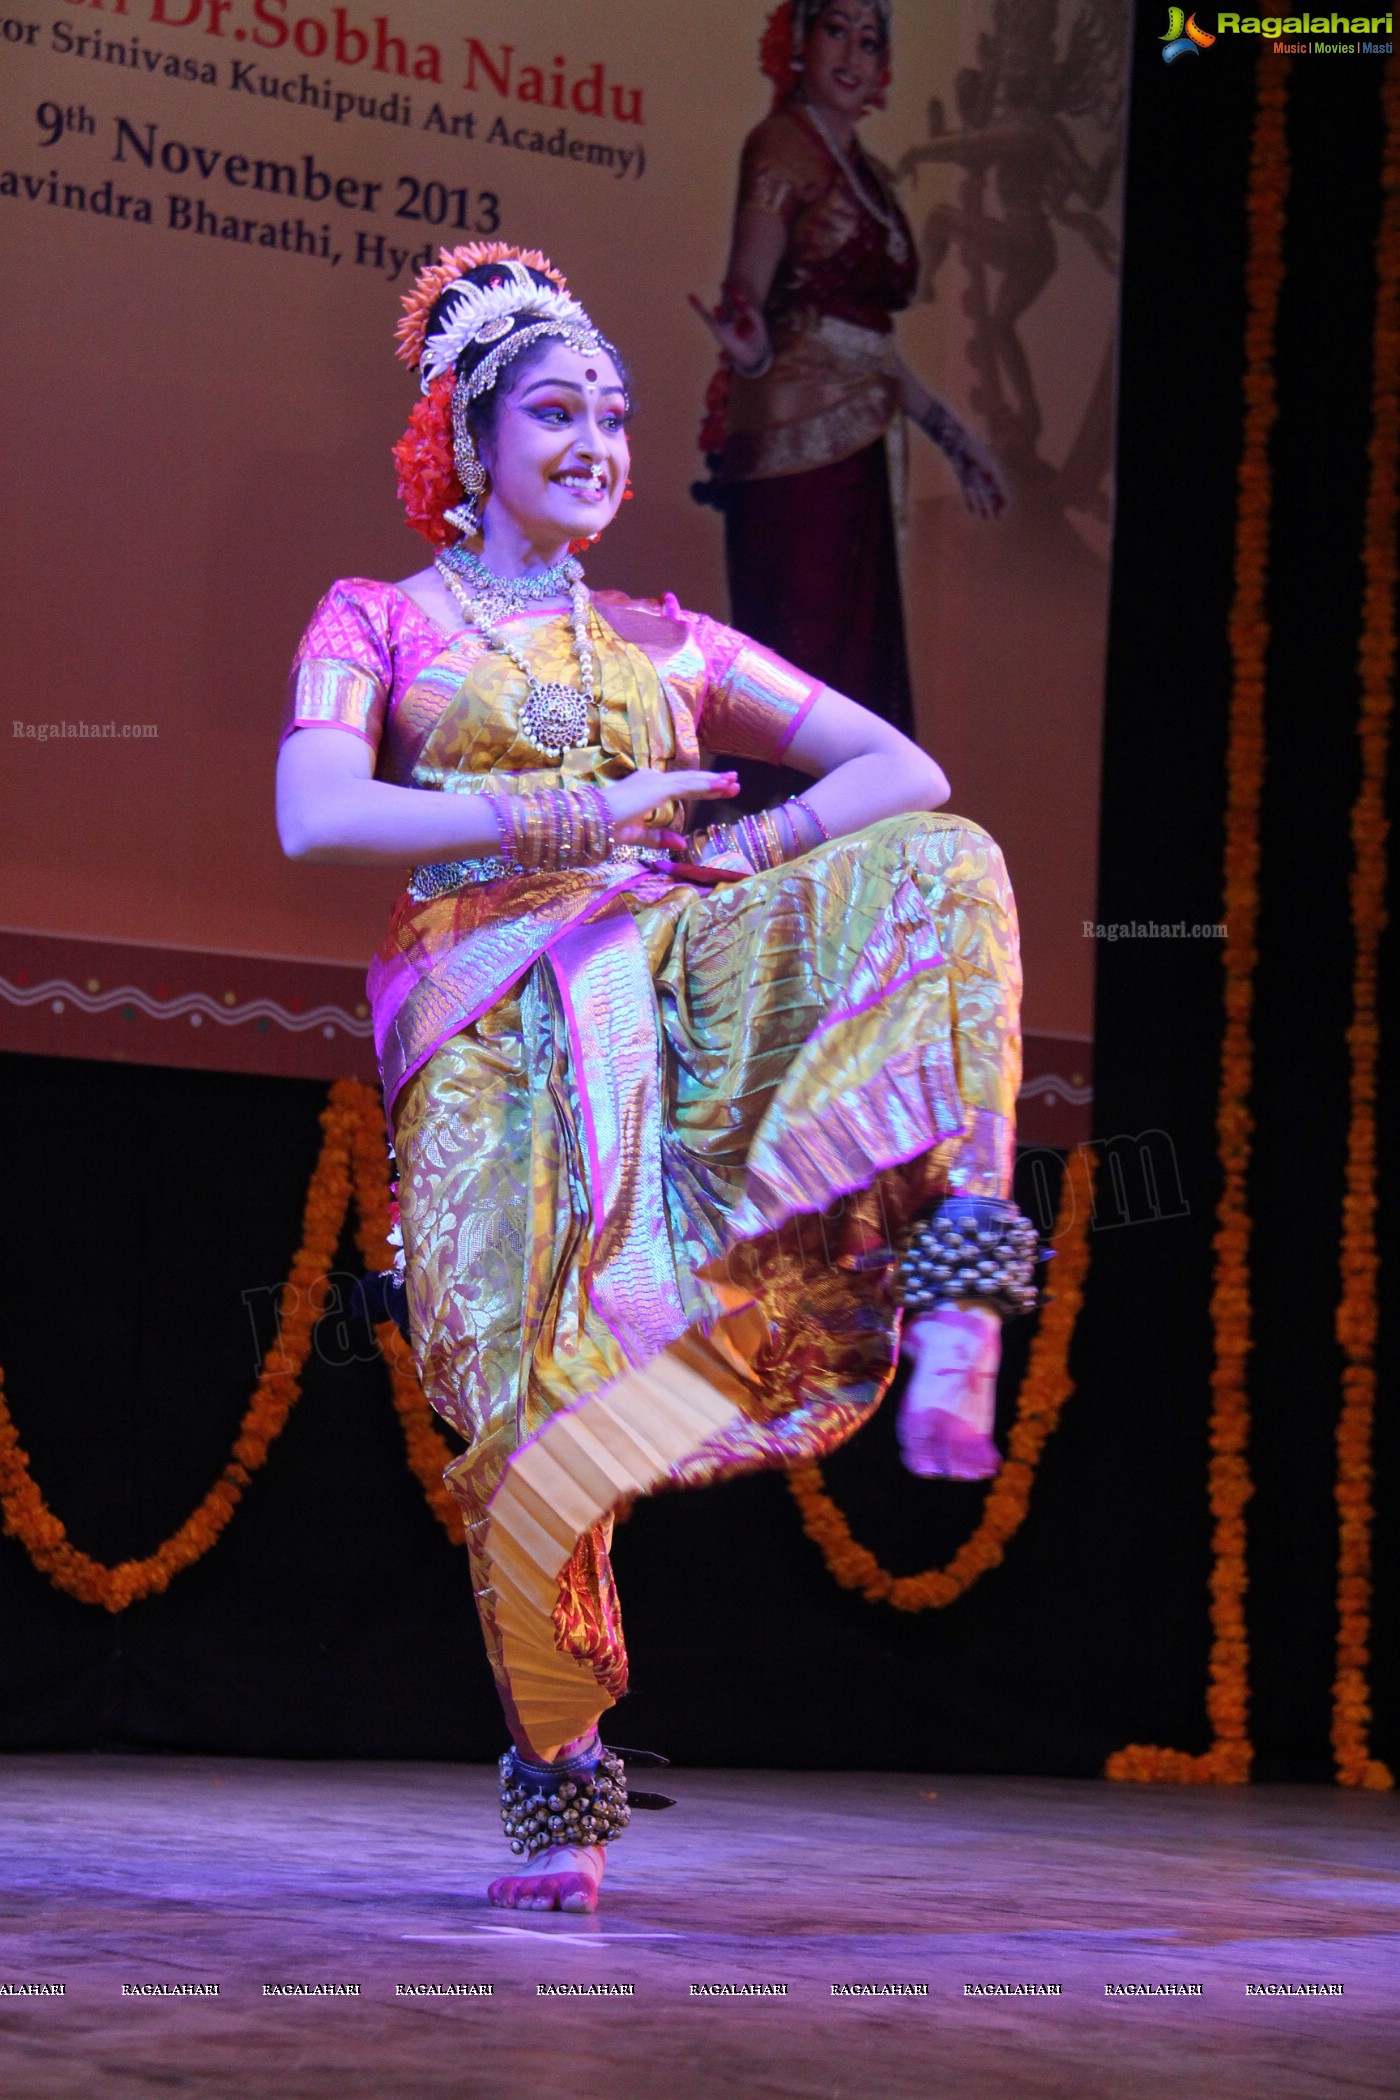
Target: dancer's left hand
(636, 797)
(980, 482)
(738, 327)
(979, 478)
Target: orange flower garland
(352, 1161)
(352, 1164)
(1358, 1313)
(425, 1448)
(1229, 1758)
(1046, 1387)
(426, 467)
(28, 1517)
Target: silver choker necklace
(499, 596)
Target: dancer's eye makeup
(566, 394)
(556, 404)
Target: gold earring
(475, 481)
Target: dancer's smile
(589, 484)
(558, 459)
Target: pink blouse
(369, 643)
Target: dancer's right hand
(634, 798)
(738, 327)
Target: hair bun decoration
(471, 312)
(778, 59)
(425, 468)
(452, 263)
(492, 331)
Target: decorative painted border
(66, 996)
(1055, 1105)
(198, 1006)
(1051, 1087)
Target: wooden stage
(122, 1873)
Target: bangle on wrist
(554, 828)
(754, 371)
(765, 839)
(801, 802)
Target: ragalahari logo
(1184, 35)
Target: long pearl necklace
(898, 245)
(555, 716)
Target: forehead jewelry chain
(554, 716)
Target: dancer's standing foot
(567, 1877)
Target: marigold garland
(1044, 1390)
(27, 1515)
(1358, 1312)
(426, 466)
(352, 1166)
(351, 1162)
(425, 1448)
(1230, 1755)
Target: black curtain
(148, 1215)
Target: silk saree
(657, 1137)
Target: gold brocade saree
(656, 1140)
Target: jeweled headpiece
(475, 309)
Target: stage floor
(139, 1871)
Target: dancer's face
(844, 58)
(558, 456)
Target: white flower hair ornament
(485, 314)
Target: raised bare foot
(565, 1878)
(949, 1405)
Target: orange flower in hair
(427, 472)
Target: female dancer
(811, 394)
(663, 1107)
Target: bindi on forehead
(561, 384)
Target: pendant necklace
(554, 716)
(897, 244)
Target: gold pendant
(555, 717)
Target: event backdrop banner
(211, 209)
